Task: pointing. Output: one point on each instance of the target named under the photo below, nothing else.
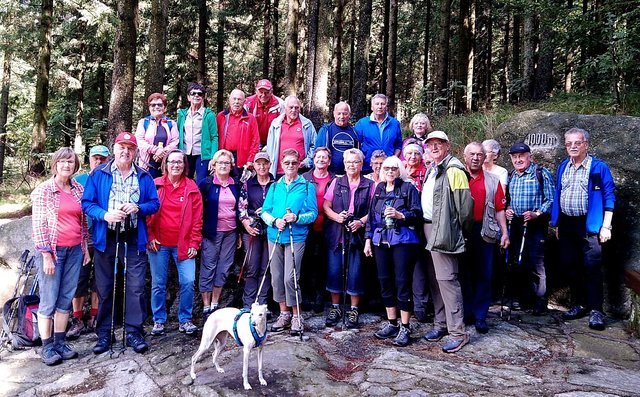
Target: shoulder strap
(540, 179)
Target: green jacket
(209, 143)
(452, 208)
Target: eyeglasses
(196, 93)
(290, 162)
(355, 162)
(156, 105)
(386, 169)
(70, 162)
(576, 143)
(225, 163)
(434, 144)
(176, 162)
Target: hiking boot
(482, 327)
(49, 355)
(352, 318)
(453, 345)
(282, 322)
(137, 342)
(333, 317)
(297, 325)
(435, 334)
(187, 327)
(90, 326)
(387, 331)
(158, 329)
(575, 312)
(596, 320)
(403, 338)
(77, 327)
(515, 305)
(102, 345)
(64, 350)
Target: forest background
(74, 72)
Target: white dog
(249, 329)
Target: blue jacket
(370, 139)
(95, 203)
(601, 194)
(338, 140)
(300, 197)
(210, 195)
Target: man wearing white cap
(448, 216)
(265, 106)
(120, 194)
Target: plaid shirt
(46, 203)
(524, 191)
(574, 195)
(123, 190)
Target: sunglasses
(156, 105)
(290, 162)
(390, 168)
(196, 93)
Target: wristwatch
(607, 227)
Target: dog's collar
(256, 337)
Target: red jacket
(190, 233)
(265, 114)
(248, 139)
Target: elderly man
(238, 130)
(448, 217)
(291, 130)
(339, 136)
(198, 132)
(379, 131)
(489, 227)
(117, 198)
(265, 106)
(530, 191)
(582, 211)
(97, 155)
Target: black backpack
(20, 321)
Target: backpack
(21, 329)
(147, 120)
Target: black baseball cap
(519, 148)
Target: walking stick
(264, 276)
(505, 277)
(246, 258)
(127, 228)
(524, 236)
(113, 295)
(346, 252)
(295, 277)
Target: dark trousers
(197, 167)
(313, 275)
(136, 304)
(476, 272)
(395, 272)
(582, 253)
(529, 283)
(254, 269)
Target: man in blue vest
(582, 211)
(339, 136)
(378, 131)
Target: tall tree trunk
(277, 67)
(464, 73)
(441, 67)
(78, 144)
(543, 82)
(4, 107)
(319, 108)
(361, 67)
(391, 58)
(427, 38)
(291, 54)
(487, 12)
(516, 71)
(40, 110)
(504, 75)
(568, 60)
(220, 39)
(124, 68)
(529, 67)
(203, 24)
(312, 40)
(154, 81)
(385, 45)
(266, 38)
(338, 21)
(352, 63)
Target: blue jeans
(58, 289)
(335, 276)
(159, 263)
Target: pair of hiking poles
(509, 270)
(127, 227)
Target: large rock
(614, 139)
(15, 237)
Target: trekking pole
(249, 249)
(113, 295)
(295, 277)
(505, 277)
(346, 247)
(127, 228)
(23, 270)
(524, 236)
(264, 276)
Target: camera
(259, 225)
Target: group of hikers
(318, 204)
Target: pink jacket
(145, 139)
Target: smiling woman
(157, 135)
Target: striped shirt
(46, 204)
(123, 190)
(574, 195)
(524, 191)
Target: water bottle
(389, 222)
